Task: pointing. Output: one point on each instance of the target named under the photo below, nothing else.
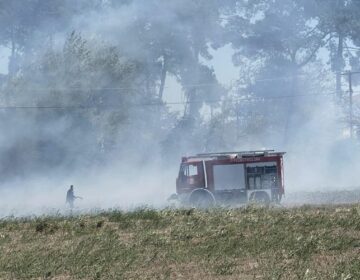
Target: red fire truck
(231, 178)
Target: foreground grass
(249, 243)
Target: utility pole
(351, 93)
(339, 60)
(351, 105)
(237, 122)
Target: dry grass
(248, 243)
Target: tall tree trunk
(12, 59)
(194, 105)
(147, 82)
(290, 112)
(339, 64)
(163, 77)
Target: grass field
(248, 243)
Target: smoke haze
(84, 100)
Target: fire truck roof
(230, 155)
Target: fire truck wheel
(201, 198)
(261, 198)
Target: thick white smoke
(320, 157)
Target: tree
(280, 38)
(82, 97)
(338, 20)
(29, 25)
(174, 41)
(15, 21)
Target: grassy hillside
(249, 243)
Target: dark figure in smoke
(70, 197)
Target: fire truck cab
(205, 180)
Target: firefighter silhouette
(70, 197)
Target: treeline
(86, 78)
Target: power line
(232, 100)
(353, 48)
(232, 84)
